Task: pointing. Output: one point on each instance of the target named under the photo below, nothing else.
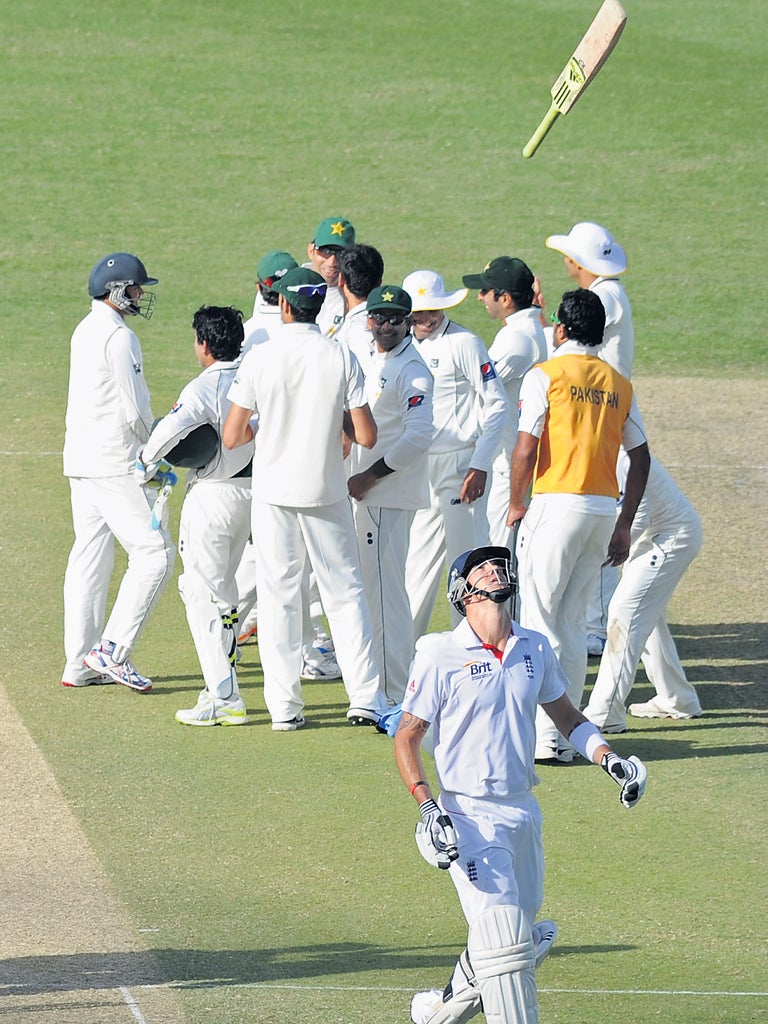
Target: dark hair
(268, 296)
(221, 328)
(363, 269)
(302, 315)
(582, 315)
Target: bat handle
(538, 136)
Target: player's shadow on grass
(201, 968)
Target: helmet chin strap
(497, 596)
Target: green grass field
(273, 874)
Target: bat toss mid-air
(587, 59)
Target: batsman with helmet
(477, 689)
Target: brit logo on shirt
(480, 668)
(488, 371)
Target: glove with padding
(142, 472)
(630, 774)
(436, 836)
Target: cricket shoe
(549, 753)
(654, 708)
(424, 1005)
(210, 711)
(291, 725)
(595, 645)
(544, 934)
(320, 662)
(88, 678)
(120, 671)
(363, 716)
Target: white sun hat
(427, 291)
(593, 247)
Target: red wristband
(416, 785)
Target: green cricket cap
(335, 231)
(389, 298)
(273, 266)
(302, 287)
(503, 274)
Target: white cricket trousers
(501, 855)
(637, 627)
(213, 531)
(499, 533)
(282, 540)
(559, 556)
(106, 509)
(441, 533)
(382, 540)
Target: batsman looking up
(478, 688)
(108, 420)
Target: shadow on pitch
(199, 968)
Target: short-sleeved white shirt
(618, 347)
(518, 346)
(483, 712)
(299, 382)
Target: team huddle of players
(345, 444)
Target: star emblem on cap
(337, 229)
(422, 291)
(387, 296)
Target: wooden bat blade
(590, 55)
(587, 59)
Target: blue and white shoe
(120, 671)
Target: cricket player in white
(108, 419)
(477, 688)
(305, 389)
(333, 235)
(666, 537)
(389, 481)
(470, 411)
(215, 516)
(595, 260)
(505, 287)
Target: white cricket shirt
(518, 346)
(108, 410)
(483, 712)
(299, 382)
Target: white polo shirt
(618, 347)
(483, 711)
(299, 383)
(518, 346)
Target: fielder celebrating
(108, 419)
(470, 410)
(478, 688)
(389, 482)
(215, 516)
(305, 389)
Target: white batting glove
(630, 775)
(438, 828)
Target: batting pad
(501, 951)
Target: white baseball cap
(427, 291)
(593, 247)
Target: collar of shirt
(574, 348)
(529, 313)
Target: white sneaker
(210, 711)
(320, 663)
(87, 678)
(290, 726)
(653, 708)
(120, 671)
(544, 935)
(424, 1005)
(549, 753)
(595, 645)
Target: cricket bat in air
(588, 57)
